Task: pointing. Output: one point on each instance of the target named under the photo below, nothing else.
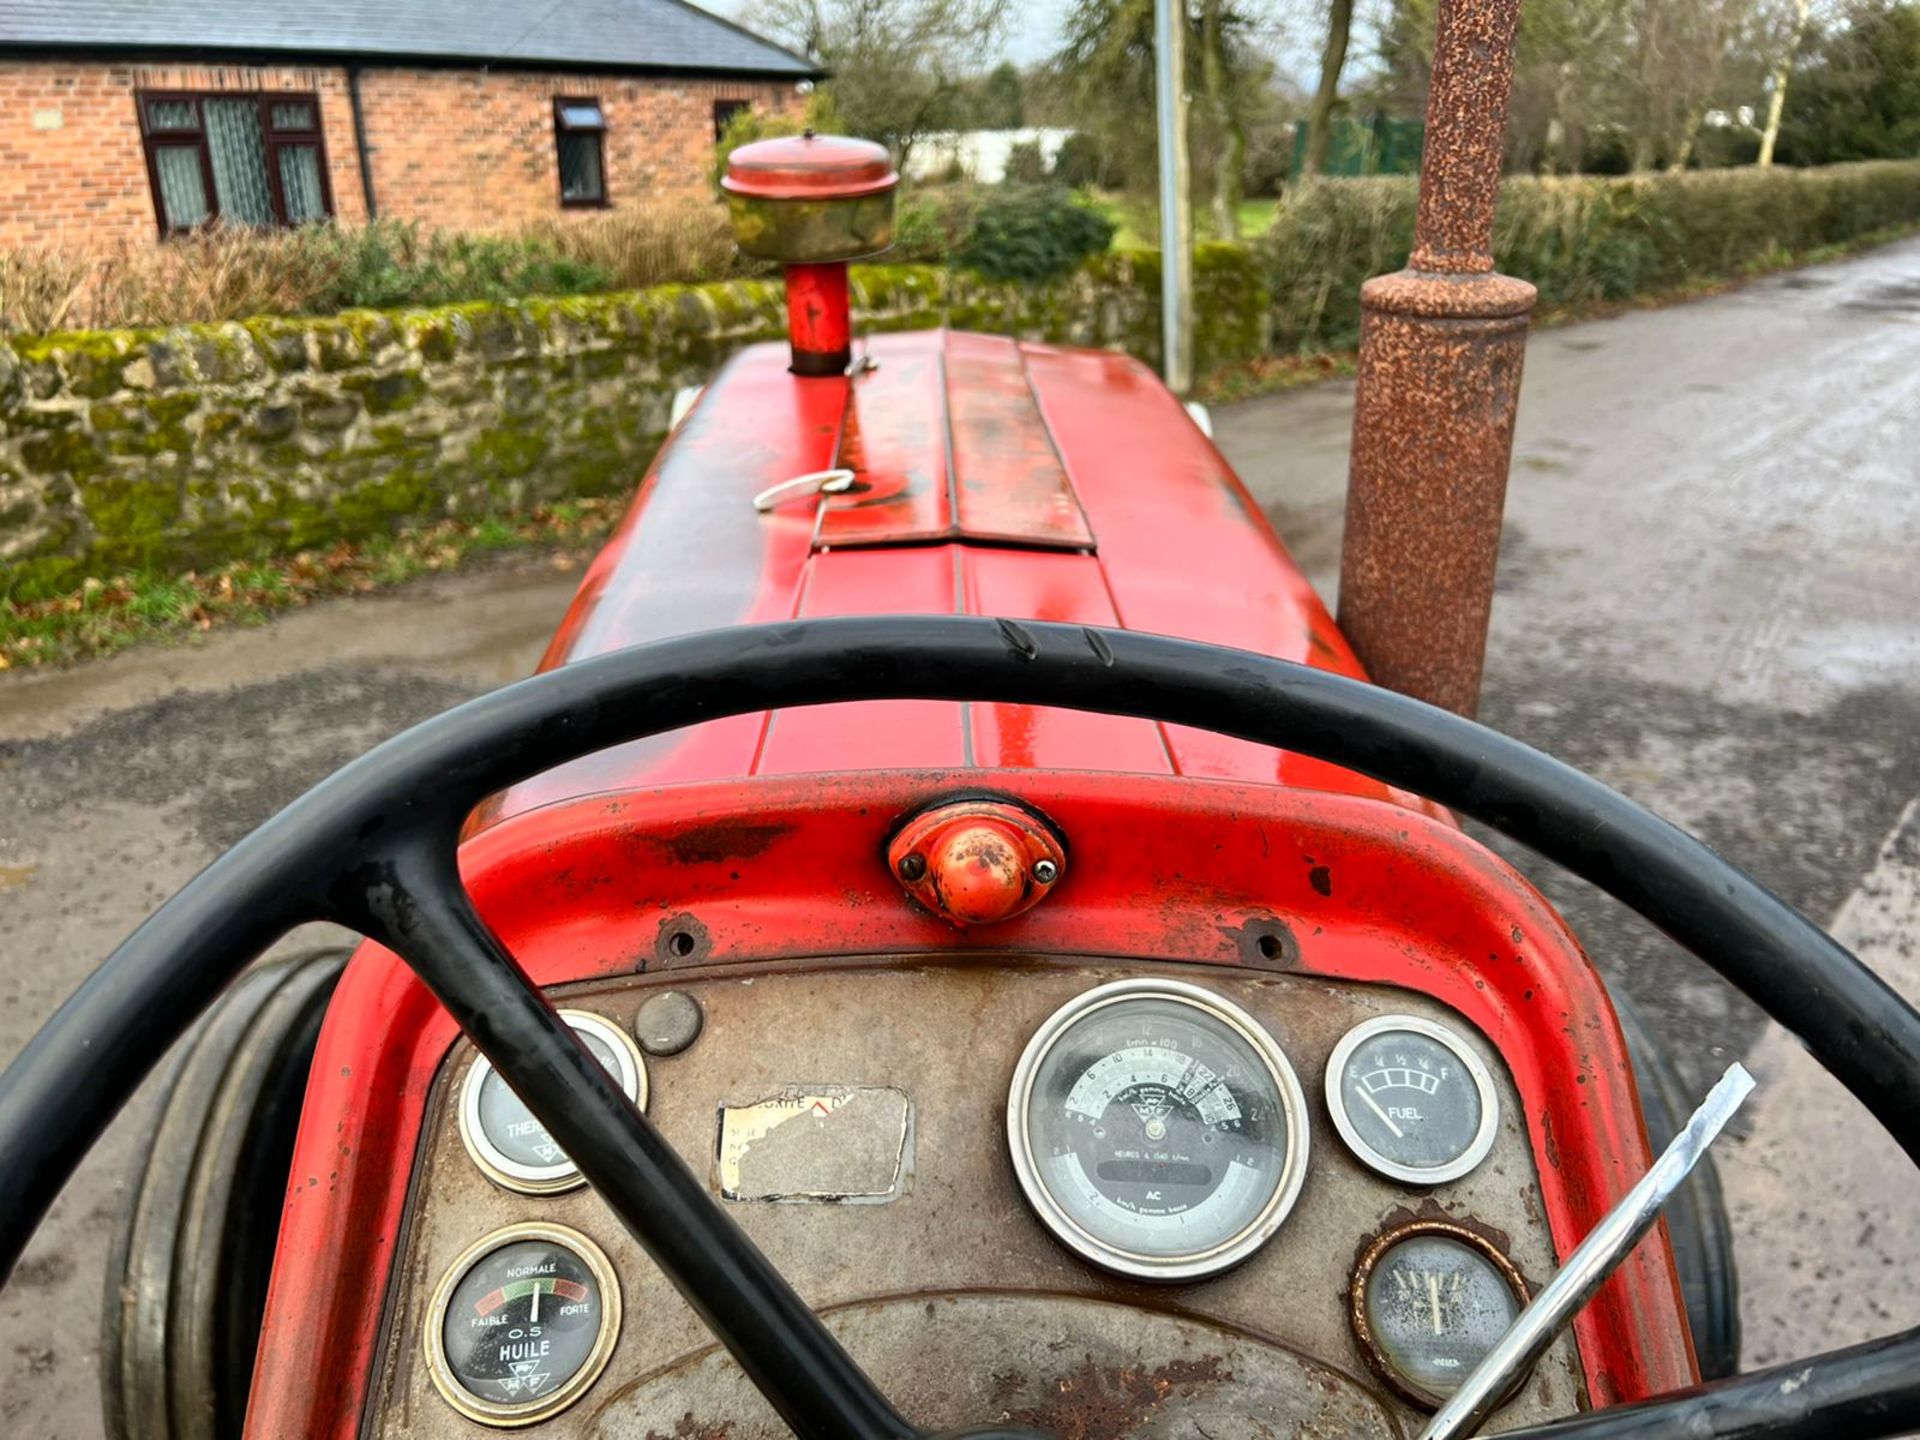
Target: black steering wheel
(373, 848)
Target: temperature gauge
(522, 1324)
(1430, 1300)
(1412, 1100)
(514, 1148)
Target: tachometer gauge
(512, 1147)
(1157, 1129)
(1412, 1100)
(1430, 1300)
(522, 1324)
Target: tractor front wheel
(1696, 1218)
(187, 1279)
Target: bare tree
(1230, 138)
(1777, 81)
(896, 64)
(1333, 59)
(1106, 62)
(1678, 55)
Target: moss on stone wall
(204, 444)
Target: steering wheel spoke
(411, 900)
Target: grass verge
(103, 616)
(1136, 222)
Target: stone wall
(203, 444)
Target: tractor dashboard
(1266, 1085)
(853, 1113)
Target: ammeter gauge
(1430, 1299)
(1157, 1129)
(501, 1134)
(1412, 1100)
(522, 1324)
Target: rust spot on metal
(1264, 942)
(1430, 1210)
(1091, 1403)
(1321, 879)
(724, 840)
(1441, 346)
(681, 940)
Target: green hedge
(1582, 239)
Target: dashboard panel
(854, 1116)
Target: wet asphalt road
(1709, 597)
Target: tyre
(1697, 1221)
(187, 1275)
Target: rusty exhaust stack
(1441, 345)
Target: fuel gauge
(1412, 1100)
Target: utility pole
(1176, 223)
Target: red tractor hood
(992, 478)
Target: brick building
(128, 119)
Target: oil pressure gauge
(522, 1324)
(1157, 1129)
(501, 1134)
(1412, 1099)
(1430, 1299)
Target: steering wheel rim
(374, 847)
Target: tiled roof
(603, 34)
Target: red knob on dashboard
(975, 862)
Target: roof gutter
(136, 53)
(360, 143)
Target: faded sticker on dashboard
(818, 1144)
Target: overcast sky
(1033, 35)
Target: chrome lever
(819, 482)
(1553, 1309)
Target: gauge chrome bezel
(1457, 1045)
(512, 1414)
(516, 1175)
(1199, 1264)
(1377, 1250)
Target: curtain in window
(239, 155)
(580, 177)
(300, 183)
(183, 189)
(171, 114)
